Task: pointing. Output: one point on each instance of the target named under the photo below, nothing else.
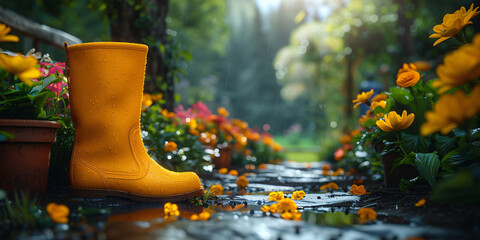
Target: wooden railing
(37, 32)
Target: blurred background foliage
(289, 67)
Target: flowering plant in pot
(27, 107)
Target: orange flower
(170, 147)
(362, 98)
(330, 185)
(298, 195)
(407, 79)
(275, 196)
(167, 114)
(223, 112)
(366, 215)
(406, 67)
(223, 170)
(58, 212)
(326, 167)
(422, 65)
(194, 217)
(420, 202)
(345, 139)
(242, 182)
(255, 136)
(395, 122)
(262, 166)
(453, 23)
(277, 147)
(338, 172)
(216, 189)
(296, 216)
(355, 133)
(233, 172)
(171, 211)
(204, 216)
(357, 190)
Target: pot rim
(29, 123)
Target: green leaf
(401, 95)
(414, 143)
(444, 144)
(409, 159)
(448, 161)
(370, 122)
(428, 165)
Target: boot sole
(102, 193)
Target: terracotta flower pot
(225, 158)
(392, 178)
(25, 159)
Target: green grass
(302, 156)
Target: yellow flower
(453, 24)
(233, 172)
(379, 97)
(223, 112)
(298, 195)
(24, 67)
(459, 67)
(4, 37)
(395, 122)
(170, 210)
(330, 185)
(296, 216)
(242, 182)
(381, 104)
(167, 114)
(285, 205)
(408, 78)
(194, 217)
(450, 111)
(363, 119)
(223, 170)
(362, 98)
(204, 216)
(357, 190)
(366, 215)
(275, 196)
(216, 189)
(170, 147)
(265, 208)
(420, 202)
(58, 212)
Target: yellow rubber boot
(109, 159)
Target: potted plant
(28, 104)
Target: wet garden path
(237, 213)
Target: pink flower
(201, 109)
